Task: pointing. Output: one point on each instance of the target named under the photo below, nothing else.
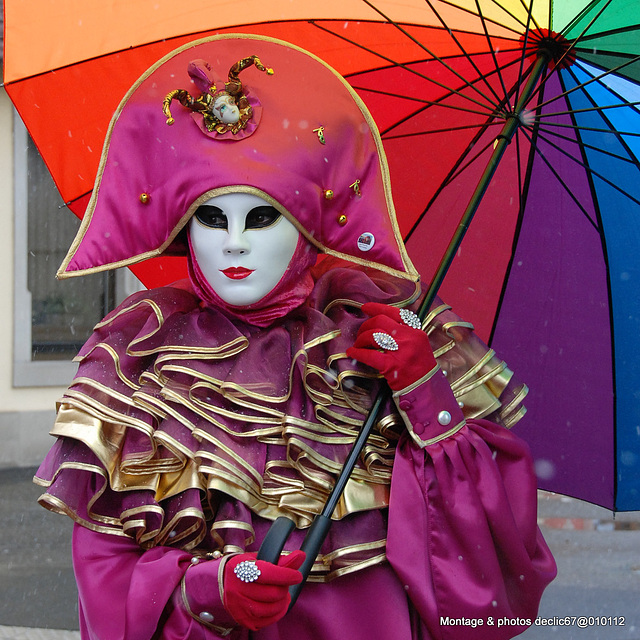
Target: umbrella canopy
(550, 267)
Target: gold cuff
(425, 443)
(417, 383)
(223, 631)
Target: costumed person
(204, 410)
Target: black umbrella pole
(276, 538)
(502, 142)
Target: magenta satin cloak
(462, 542)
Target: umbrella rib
(587, 109)
(468, 163)
(618, 134)
(524, 192)
(559, 179)
(611, 32)
(446, 180)
(580, 85)
(523, 54)
(454, 170)
(426, 133)
(436, 57)
(519, 167)
(427, 103)
(399, 64)
(595, 129)
(513, 15)
(590, 169)
(465, 54)
(491, 49)
(551, 132)
(70, 202)
(385, 133)
(529, 10)
(495, 22)
(497, 112)
(418, 111)
(577, 18)
(403, 120)
(579, 37)
(391, 65)
(605, 253)
(544, 136)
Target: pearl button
(444, 418)
(205, 616)
(460, 404)
(195, 560)
(173, 534)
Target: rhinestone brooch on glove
(385, 341)
(247, 571)
(410, 318)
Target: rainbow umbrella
(523, 113)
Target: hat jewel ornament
(231, 110)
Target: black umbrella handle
(281, 529)
(277, 536)
(274, 541)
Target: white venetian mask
(243, 246)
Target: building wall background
(26, 413)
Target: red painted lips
(237, 273)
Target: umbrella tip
(554, 45)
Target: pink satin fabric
(283, 158)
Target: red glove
(260, 603)
(413, 358)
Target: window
(53, 318)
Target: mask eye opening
(262, 217)
(211, 216)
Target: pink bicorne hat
(306, 144)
